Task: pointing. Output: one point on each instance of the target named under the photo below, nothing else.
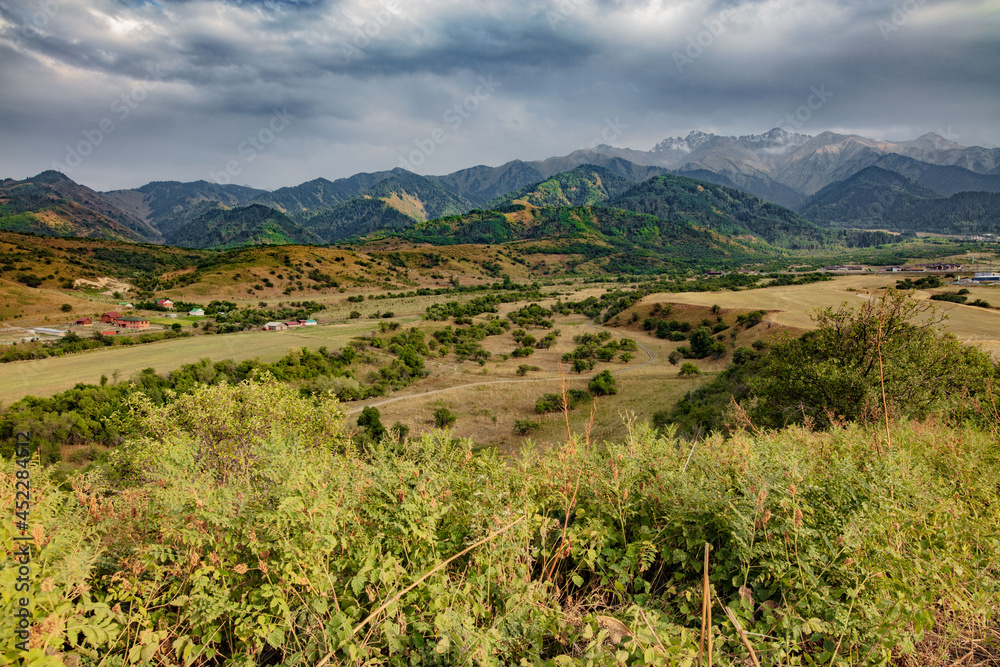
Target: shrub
(524, 426)
(371, 420)
(688, 370)
(443, 417)
(603, 384)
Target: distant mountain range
(773, 187)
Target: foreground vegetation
(240, 525)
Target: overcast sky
(276, 92)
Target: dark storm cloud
(367, 80)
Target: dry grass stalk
(579, 476)
(395, 598)
(743, 635)
(655, 636)
(881, 369)
(705, 645)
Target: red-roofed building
(82, 321)
(110, 317)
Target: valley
(626, 359)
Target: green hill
(722, 209)
(617, 240)
(584, 186)
(248, 225)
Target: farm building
(132, 323)
(275, 326)
(986, 277)
(165, 303)
(83, 321)
(292, 323)
(307, 323)
(110, 317)
(196, 312)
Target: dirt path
(649, 354)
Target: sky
(272, 93)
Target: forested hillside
(248, 225)
(877, 198)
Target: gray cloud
(365, 80)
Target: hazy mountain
(944, 180)
(321, 193)
(876, 198)
(417, 196)
(169, 205)
(54, 205)
(762, 186)
(160, 199)
(865, 199)
(254, 224)
(396, 202)
(802, 164)
(481, 184)
(356, 217)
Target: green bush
(444, 417)
(688, 370)
(603, 384)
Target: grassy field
(488, 399)
(45, 377)
(791, 305)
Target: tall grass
(281, 549)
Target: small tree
(370, 419)
(603, 384)
(688, 370)
(443, 417)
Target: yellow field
(794, 303)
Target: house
(196, 312)
(83, 321)
(307, 323)
(110, 317)
(275, 326)
(986, 277)
(132, 323)
(165, 303)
